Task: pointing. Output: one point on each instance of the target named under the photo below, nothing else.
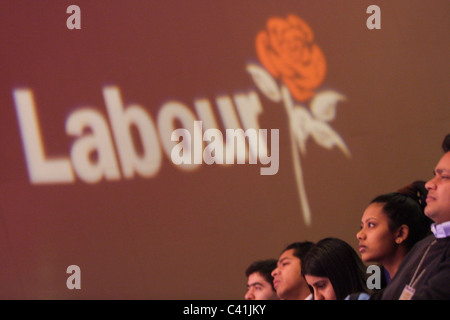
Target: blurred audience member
(391, 225)
(335, 272)
(260, 280)
(424, 274)
(288, 279)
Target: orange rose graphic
(291, 69)
(287, 50)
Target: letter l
(40, 169)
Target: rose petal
(300, 24)
(312, 70)
(298, 91)
(265, 54)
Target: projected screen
(154, 149)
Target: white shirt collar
(441, 230)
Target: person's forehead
(288, 254)
(315, 279)
(374, 212)
(257, 277)
(444, 163)
(375, 208)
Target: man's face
(259, 289)
(438, 199)
(288, 279)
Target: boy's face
(259, 289)
(288, 279)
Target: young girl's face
(376, 240)
(323, 289)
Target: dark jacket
(434, 284)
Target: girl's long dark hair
(336, 260)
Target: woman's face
(323, 289)
(376, 240)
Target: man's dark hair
(300, 248)
(264, 268)
(446, 143)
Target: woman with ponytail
(390, 226)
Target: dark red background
(190, 235)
